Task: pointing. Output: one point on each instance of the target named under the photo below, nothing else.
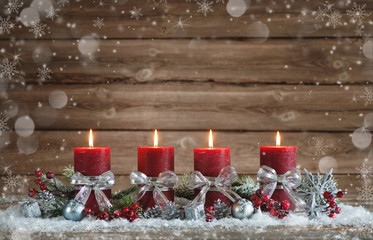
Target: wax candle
(281, 159)
(92, 161)
(209, 161)
(152, 161)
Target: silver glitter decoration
(222, 210)
(74, 210)
(30, 209)
(171, 211)
(242, 208)
(194, 211)
(154, 212)
(47, 196)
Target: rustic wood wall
(306, 79)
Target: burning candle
(209, 161)
(281, 159)
(152, 161)
(92, 161)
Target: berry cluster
(39, 182)
(266, 204)
(129, 213)
(210, 211)
(332, 208)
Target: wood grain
(283, 19)
(186, 106)
(293, 61)
(55, 149)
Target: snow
(12, 219)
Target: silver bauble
(242, 208)
(31, 209)
(74, 210)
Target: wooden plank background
(306, 80)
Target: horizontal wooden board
(194, 106)
(296, 61)
(55, 149)
(159, 20)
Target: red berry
(327, 194)
(211, 210)
(285, 204)
(134, 206)
(50, 175)
(270, 202)
(332, 204)
(116, 214)
(38, 181)
(43, 187)
(88, 211)
(258, 202)
(125, 210)
(253, 197)
(209, 219)
(31, 194)
(331, 200)
(32, 190)
(276, 205)
(130, 214)
(331, 215)
(38, 173)
(105, 215)
(340, 194)
(259, 192)
(273, 212)
(337, 210)
(265, 198)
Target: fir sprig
(245, 186)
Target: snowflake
(6, 169)
(136, 13)
(5, 25)
(319, 146)
(359, 30)
(44, 73)
(357, 13)
(8, 68)
(364, 171)
(334, 19)
(367, 96)
(13, 6)
(12, 181)
(52, 12)
(38, 29)
(180, 24)
(62, 3)
(3, 124)
(98, 22)
(205, 7)
(365, 192)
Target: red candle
(210, 161)
(92, 161)
(152, 161)
(281, 159)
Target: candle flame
(278, 139)
(90, 138)
(211, 144)
(155, 138)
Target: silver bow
(269, 179)
(95, 183)
(165, 181)
(222, 182)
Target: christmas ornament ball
(74, 210)
(242, 208)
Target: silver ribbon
(222, 182)
(95, 183)
(166, 180)
(268, 178)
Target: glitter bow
(222, 182)
(269, 179)
(95, 183)
(165, 181)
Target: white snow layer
(12, 219)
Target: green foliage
(51, 208)
(68, 173)
(123, 193)
(245, 186)
(182, 191)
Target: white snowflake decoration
(365, 192)
(205, 7)
(6, 169)
(3, 124)
(5, 25)
(13, 182)
(38, 29)
(334, 19)
(320, 146)
(8, 68)
(359, 30)
(98, 22)
(13, 6)
(44, 73)
(357, 13)
(367, 96)
(364, 171)
(52, 12)
(136, 13)
(320, 14)
(62, 3)
(181, 24)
